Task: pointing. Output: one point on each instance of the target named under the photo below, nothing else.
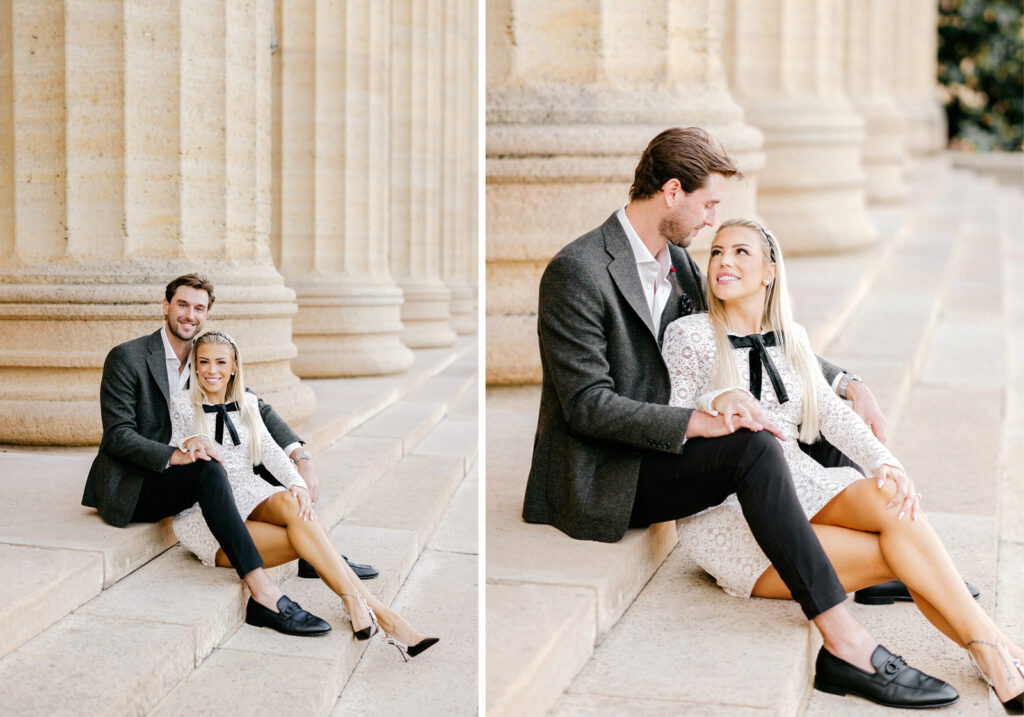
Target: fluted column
(785, 64)
(458, 267)
(134, 147)
(871, 58)
(416, 200)
(575, 91)
(916, 73)
(331, 189)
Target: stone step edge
(328, 434)
(414, 542)
(354, 493)
(547, 659)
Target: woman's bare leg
(858, 561)
(271, 541)
(915, 553)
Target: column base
(885, 160)
(343, 330)
(425, 316)
(811, 192)
(463, 309)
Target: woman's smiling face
(738, 267)
(215, 365)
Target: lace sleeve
(845, 430)
(271, 454)
(182, 414)
(689, 353)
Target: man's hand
(183, 458)
(703, 425)
(305, 504)
(865, 406)
(308, 472)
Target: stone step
(389, 528)
(549, 598)
(440, 596)
(196, 607)
(685, 647)
(344, 404)
(76, 538)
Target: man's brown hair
(684, 153)
(193, 281)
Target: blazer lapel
(157, 363)
(623, 271)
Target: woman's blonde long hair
(235, 392)
(778, 317)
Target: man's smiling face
(186, 312)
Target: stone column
(134, 147)
(416, 101)
(785, 63)
(872, 36)
(575, 91)
(916, 73)
(332, 175)
(459, 155)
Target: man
(610, 453)
(138, 477)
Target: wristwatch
(844, 383)
(303, 454)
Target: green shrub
(981, 70)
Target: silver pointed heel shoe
(1014, 705)
(408, 651)
(370, 630)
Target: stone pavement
(931, 317)
(101, 620)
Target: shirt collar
(169, 350)
(641, 253)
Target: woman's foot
(364, 622)
(1001, 670)
(409, 641)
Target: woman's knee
(284, 503)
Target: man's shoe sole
(887, 600)
(823, 686)
(260, 623)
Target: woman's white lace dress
(250, 489)
(718, 538)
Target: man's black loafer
(894, 683)
(363, 572)
(290, 618)
(888, 593)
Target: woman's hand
(305, 504)
(907, 497)
(739, 409)
(201, 448)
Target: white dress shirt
(176, 379)
(653, 270)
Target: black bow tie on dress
(758, 343)
(221, 409)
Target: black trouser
(206, 483)
(752, 466)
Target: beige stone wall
(802, 93)
(140, 141)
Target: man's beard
(172, 327)
(673, 229)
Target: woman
(280, 520)
(872, 529)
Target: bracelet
(304, 454)
(844, 383)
